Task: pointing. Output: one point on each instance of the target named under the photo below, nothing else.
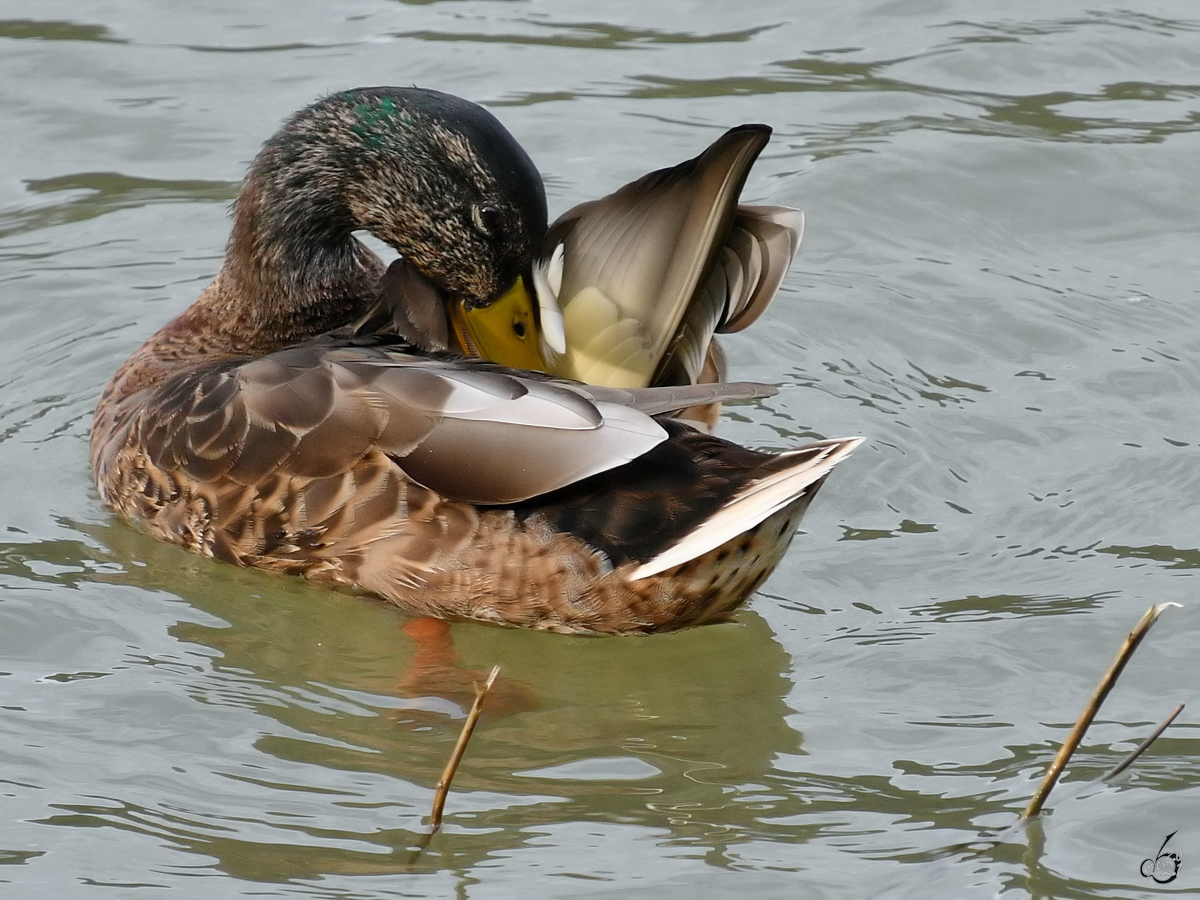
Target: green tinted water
(998, 288)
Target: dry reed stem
(443, 785)
(1089, 713)
(1143, 746)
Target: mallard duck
(307, 415)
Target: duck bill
(504, 332)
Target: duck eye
(488, 219)
(519, 328)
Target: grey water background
(998, 287)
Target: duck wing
(748, 270)
(478, 434)
(645, 275)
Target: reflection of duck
(434, 670)
(261, 428)
(705, 707)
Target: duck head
(435, 176)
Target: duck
(456, 433)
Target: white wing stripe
(756, 503)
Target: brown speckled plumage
(244, 430)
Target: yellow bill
(504, 332)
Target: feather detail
(799, 471)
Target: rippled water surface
(998, 288)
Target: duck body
(269, 426)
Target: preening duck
(311, 415)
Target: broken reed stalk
(443, 785)
(1143, 746)
(1089, 713)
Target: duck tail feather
(793, 475)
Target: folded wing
(478, 434)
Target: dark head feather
(436, 177)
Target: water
(998, 287)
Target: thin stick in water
(443, 786)
(1089, 713)
(1143, 746)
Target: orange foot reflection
(434, 671)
